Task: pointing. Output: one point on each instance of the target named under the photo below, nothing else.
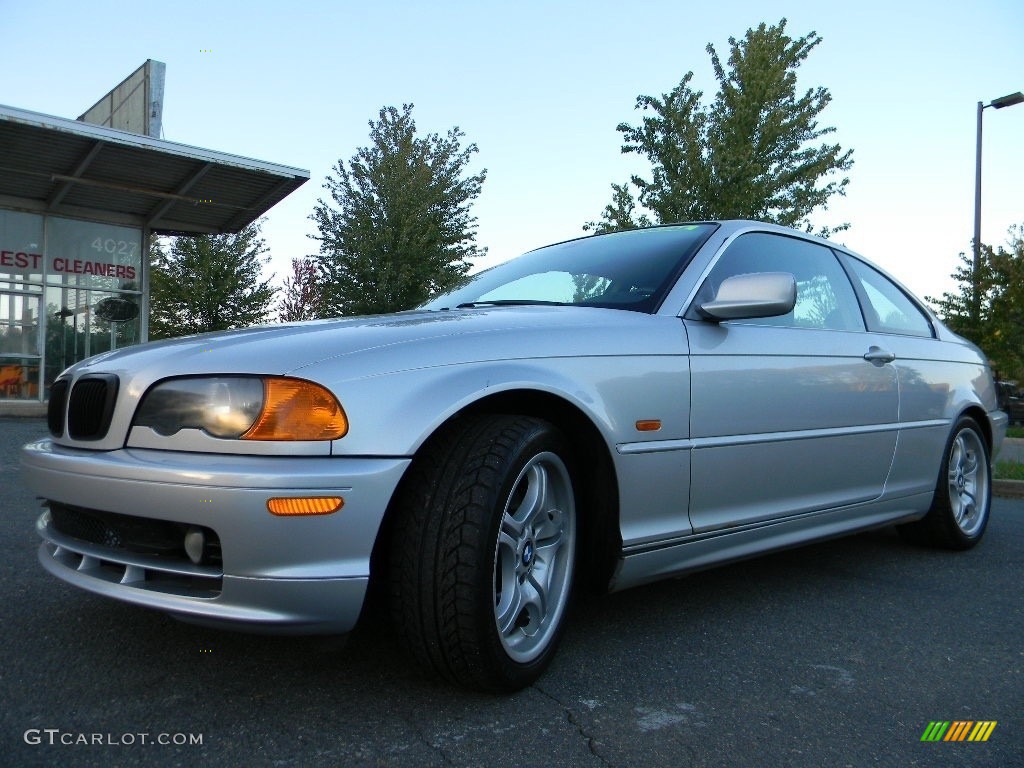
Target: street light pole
(976, 269)
(1003, 101)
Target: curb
(25, 410)
(1008, 489)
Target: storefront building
(78, 204)
(69, 288)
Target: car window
(631, 270)
(889, 309)
(555, 286)
(824, 297)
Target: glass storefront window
(19, 342)
(81, 323)
(67, 338)
(19, 322)
(21, 246)
(19, 378)
(69, 289)
(90, 255)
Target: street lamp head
(1008, 100)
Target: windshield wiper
(510, 303)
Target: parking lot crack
(433, 745)
(575, 722)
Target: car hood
(381, 343)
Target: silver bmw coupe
(602, 412)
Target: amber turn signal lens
(312, 505)
(648, 425)
(294, 409)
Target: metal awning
(66, 166)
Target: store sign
(97, 268)
(56, 250)
(88, 254)
(20, 262)
(103, 257)
(103, 260)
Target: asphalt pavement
(838, 654)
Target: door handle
(878, 356)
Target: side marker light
(311, 505)
(648, 425)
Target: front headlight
(243, 408)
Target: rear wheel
(963, 494)
(483, 551)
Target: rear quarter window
(888, 308)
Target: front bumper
(275, 574)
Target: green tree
(749, 154)
(209, 283)
(999, 329)
(402, 229)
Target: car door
(790, 414)
(930, 382)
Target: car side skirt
(652, 562)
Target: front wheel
(484, 549)
(963, 493)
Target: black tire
(963, 493)
(475, 540)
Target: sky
(540, 86)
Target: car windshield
(623, 270)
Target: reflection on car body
(606, 411)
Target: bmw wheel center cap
(528, 553)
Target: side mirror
(742, 297)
